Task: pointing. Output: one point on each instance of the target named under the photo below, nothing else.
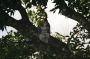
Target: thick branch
(29, 30)
(12, 22)
(22, 26)
(23, 12)
(76, 16)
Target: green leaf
(25, 1)
(81, 1)
(29, 13)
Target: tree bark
(28, 30)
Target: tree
(31, 26)
(77, 10)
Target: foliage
(25, 44)
(13, 46)
(36, 17)
(80, 6)
(79, 42)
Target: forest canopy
(33, 38)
